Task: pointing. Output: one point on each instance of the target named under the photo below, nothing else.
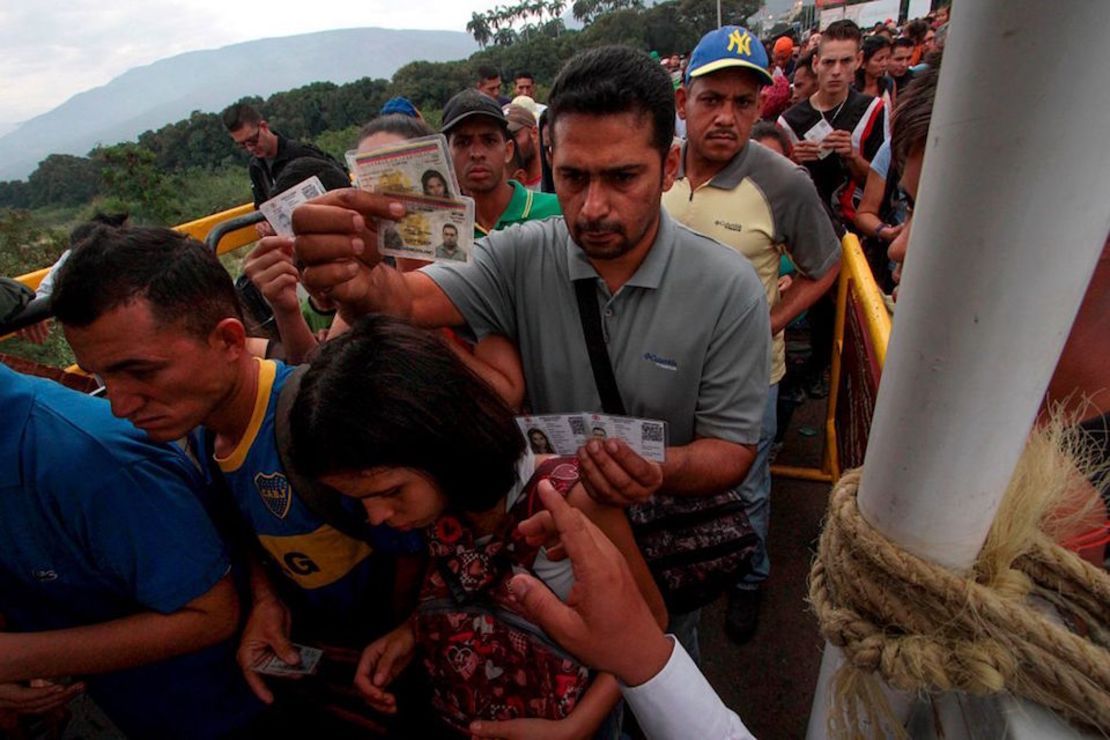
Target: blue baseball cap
(729, 46)
(400, 105)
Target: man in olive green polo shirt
(481, 148)
(758, 203)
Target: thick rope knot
(925, 629)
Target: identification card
(279, 209)
(420, 166)
(272, 665)
(436, 229)
(563, 434)
(817, 134)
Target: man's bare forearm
(858, 167)
(705, 467)
(296, 337)
(122, 643)
(803, 293)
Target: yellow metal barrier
(197, 229)
(856, 279)
(32, 279)
(240, 237)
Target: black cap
(470, 103)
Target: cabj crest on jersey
(275, 491)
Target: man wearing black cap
(478, 137)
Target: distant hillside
(148, 97)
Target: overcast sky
(53, 49)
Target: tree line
(531, 35)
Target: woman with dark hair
(871, 77)
(434, 184)
(388, 415)
(539, 442)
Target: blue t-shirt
(336, 584)
(98, 523)
(881, 161)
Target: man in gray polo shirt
(685, 318)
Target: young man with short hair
(899, 65)
(449, 247)
(155, 315)
(760, 204)
(805, 79)
(524, 83)
(837, 131)
(489, 83)
(685, 318)
(481, 148)
(269, 150)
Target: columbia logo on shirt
(728, 225)
(662, 362)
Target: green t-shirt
(316, 319)
(525, 205)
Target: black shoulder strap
(586, 292)
(320, 500)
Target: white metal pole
(1012, 214)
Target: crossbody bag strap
(589, 313)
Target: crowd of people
(355, 482)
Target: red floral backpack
(484, 658)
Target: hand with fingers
(605, 622)
(612, 473)
(267, 631)
(807, 151)
(382, 661)
(270, 267)
(337, 242)
(840, 142)
(38, 696)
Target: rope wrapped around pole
(923, 628)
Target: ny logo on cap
(742, 43)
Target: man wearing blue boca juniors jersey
(111, 572)
(154, 314)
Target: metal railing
(224, 232)
(860, 339)
(200, 229)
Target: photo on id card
(646, 437)
(419, 166)
(548, 434)
(433, 229)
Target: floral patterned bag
(485, 660)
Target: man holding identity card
(681, 321)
